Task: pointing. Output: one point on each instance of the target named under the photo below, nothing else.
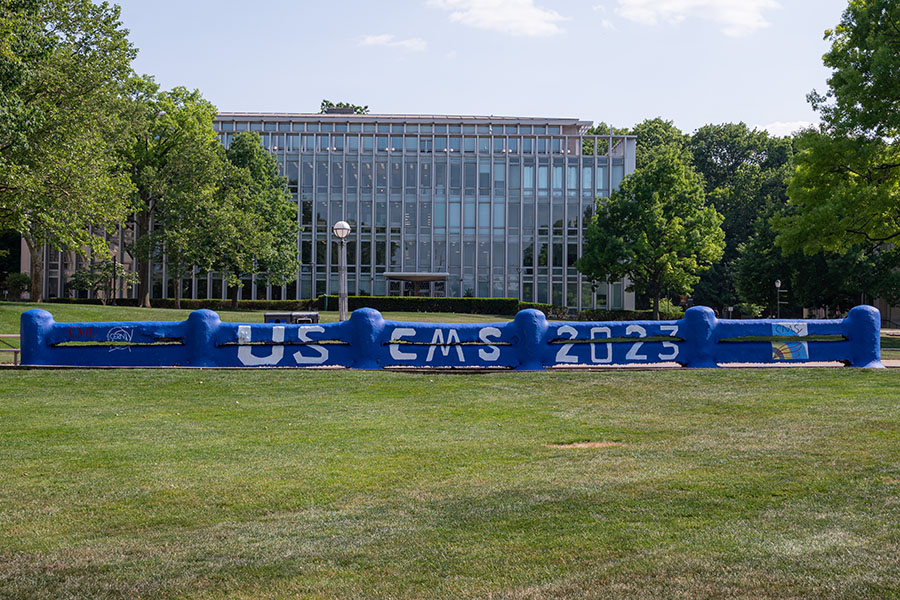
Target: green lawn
(322, 484)
(890, 347)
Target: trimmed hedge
(624, 315)
(550, 311)
(273, 305)
(483, 306)
(561, 313)
(189, 304)
(92, 301)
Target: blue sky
(619, 61)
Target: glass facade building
(492, 206)
(472, 205)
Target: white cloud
(736, 17)
(386, 39)
(513, 17)
(783, 128)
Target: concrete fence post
(201, 329)
(34, 327)
(863, 330)
(366, 326)
(699, 344)
(531, 325)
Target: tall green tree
(62, 67)
(23, 45)
(175, 162)
(259, 219)
(656, 229)
(845, 191)
(825, 278)
(183, 224)
(744, 172)
(655, 134)
(846, 188)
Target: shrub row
(212, 304)
(550, 311)
(93, 301)
(624, 315)
(485, 306)
(273, 305)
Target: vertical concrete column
(366, 326)
(201, 329)
(34, 328)
(862, 328)
(699, 346)
(531, 327)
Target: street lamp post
(341, 230)
(778, 293)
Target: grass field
(890, 346)
(269, 484)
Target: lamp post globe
(341, 229)
(778, 298)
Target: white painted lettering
(437, 341)
(609, 355)
(633, 353)
(245, 353)
(303, 334)
(563, 355)
(673, 331)
(492, 353)
(396, 336)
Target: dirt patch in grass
(579, 445)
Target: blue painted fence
(529, 342)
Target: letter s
(492, 353)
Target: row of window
(322, 174)
(324, 142)
(388, 128)
(440, 254)
(211, 285)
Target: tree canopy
(865, 58)
(357, 109)
(259, 221)
(821, 279)
(62, 67)
(175, 162)
(655, 134)
(744, 172)
(846, 187)
(656, 229)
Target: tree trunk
(142, 264)
(37, 269)
(654, 290)
(176, 283)
(234, 296)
